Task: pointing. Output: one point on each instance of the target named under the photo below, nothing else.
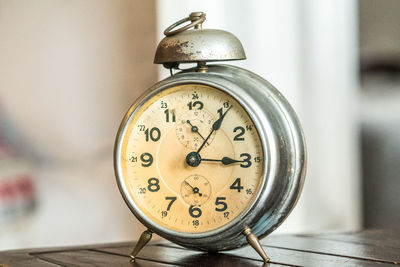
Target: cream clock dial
(192, 159)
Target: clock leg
(143, 240)
(255, 243)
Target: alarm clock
(212, 157)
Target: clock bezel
(227, 236)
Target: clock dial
(195, 190)
(191, 158)
(193, 126)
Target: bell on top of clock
(198, 45)
(213, 157)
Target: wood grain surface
(364, 248)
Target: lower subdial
(195, 190)
(193, 127)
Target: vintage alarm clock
(213, 157)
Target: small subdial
(193, 127)
(195, 190)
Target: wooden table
(363, 248)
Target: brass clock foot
(255, 243)
(145, 237)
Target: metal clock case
(279, 131)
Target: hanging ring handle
(197, 18)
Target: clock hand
(197, 191)
(215, 127)
(195, 129)
(194, 189)
(186, 183)
(217, 123)
(224, 160)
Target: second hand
(194, 189)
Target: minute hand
(216, 125)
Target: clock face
(191, 158)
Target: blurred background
(69, 70)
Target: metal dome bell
(197, 45)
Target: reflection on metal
(197, 45)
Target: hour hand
(224, 160)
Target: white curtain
(308, 50)
(69, 70)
